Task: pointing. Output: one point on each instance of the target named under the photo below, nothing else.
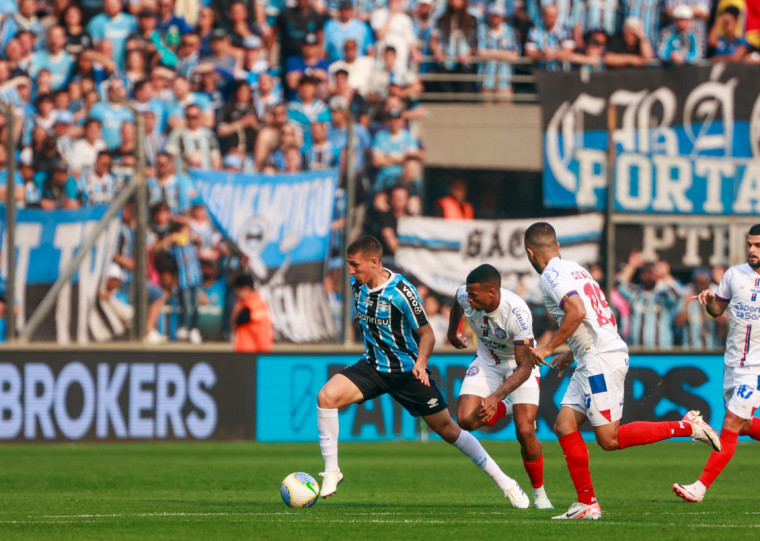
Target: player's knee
(468, 423)
(525, 432)
(607, 443)
(326, 399)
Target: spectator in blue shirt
(23, 20)
(549, 43)
(390, 148)
(307, 109)
(309, 63)
(114, 26)
(170, 26)
(679, 45)
(112, 114)
(727, 46)
(54, 59)
(344, 27)
(61, 189)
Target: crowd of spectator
(265, 87)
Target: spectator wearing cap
(194, 145)
(85, 150)
(61, 131)
(149, 42)
(239, 25)
(359, 68)
(680, 45)
(549, 43)
(61, 190)
(727, 46)
(357, 104)
(320, 153)
(390, 148)
(54, 59)
(222, 57)
(18, 190)
(631, 48)
(293, 25)
(393, 27)
(78, 39)
(650, 13)
(309, 63)
(497, 44)
(113, 25)
(345, 27)
(307, 109)
(114, 304)
(171, 26)
(251, 64)
(591, 15)
(454, 42)
(98, 187)
(112, 113)
(700, 14)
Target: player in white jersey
(739, 292)
(501, 380)
(597, 386)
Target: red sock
(642, 432)
(754, 430)
(501, 411)
(535, 469)
(576, 456)
(718, 461)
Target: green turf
(425, 491)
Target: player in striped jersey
(596, 389)
(398, 341)
(739, 293)
(501, 379)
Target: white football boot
(540, 499)
(693, 493)
(581, 511)
(516, 496)
(330, 482)
(701, 431)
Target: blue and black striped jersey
(389, 315)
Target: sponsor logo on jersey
(411, 297)
(473, 370)
(521, 317)
(500, 333)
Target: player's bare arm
(574, 314)
(515, 379)
(427, 341)
(456, 339)
(713, 306)
(563, 361)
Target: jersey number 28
(599, 304)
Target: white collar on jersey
(381, 286)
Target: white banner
(440, 253)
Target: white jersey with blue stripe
(498, 332)
(597, 333)
(389, 314)
(740, 288)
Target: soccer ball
(299, 490)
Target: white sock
(470, 446)
(327, 424)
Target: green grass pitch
(393, 491)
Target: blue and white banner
(440, 253)
(282, 224)
(46, 241)
(658, 388)
(685, 139)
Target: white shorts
(484, 377)
(741, 392)
(598, 391)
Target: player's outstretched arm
(457, 340)
(427, 341)
(574, 314)
(713, 306)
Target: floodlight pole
(140, 274)
(10, 221)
